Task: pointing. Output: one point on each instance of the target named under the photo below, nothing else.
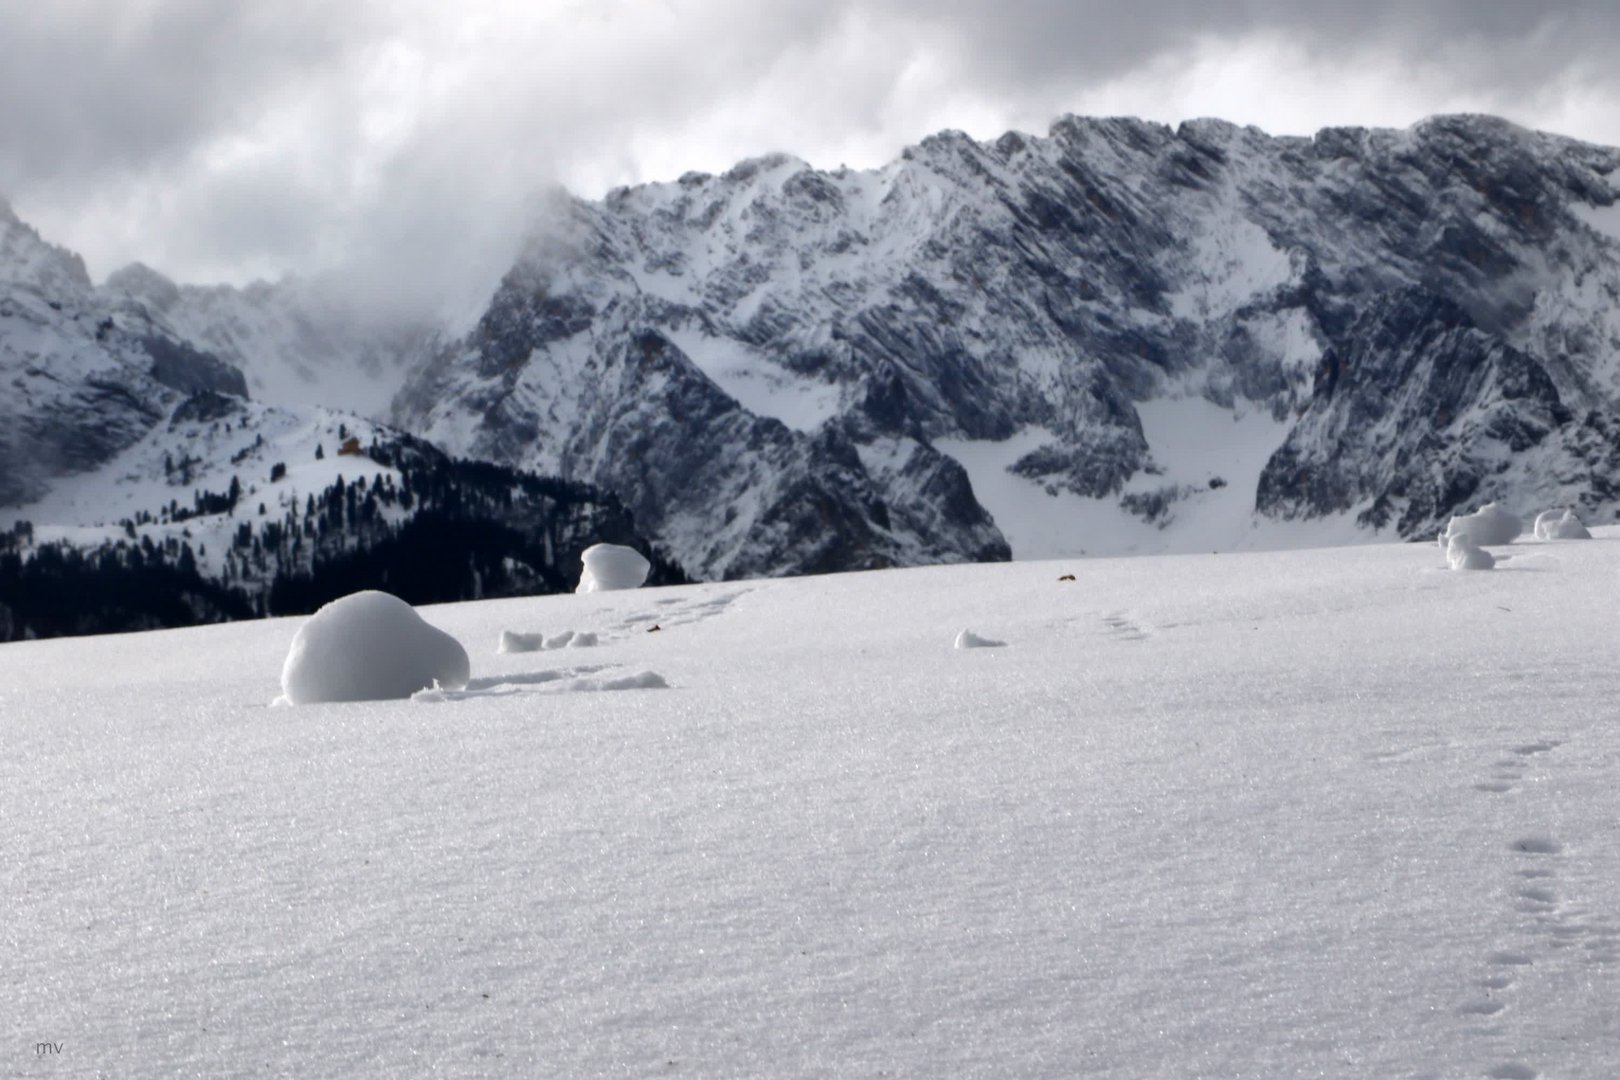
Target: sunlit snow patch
(1604, 220)
(607, 567)
(759, 385)
(370, 646)
(1231, 261)
(1209, 459)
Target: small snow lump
(1463, 554)
(967, 639)
(1560, 525)
(611, 566)
(515, 641)
(1489, 525)
(370, 646)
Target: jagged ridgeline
(1118, 338)
(425, 527)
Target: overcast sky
(225, 140)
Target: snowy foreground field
(1320, 813)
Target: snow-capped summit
(27, 261)
(140, 283)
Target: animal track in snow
(531, 678)
(1509, 771)
(1408, 752)
(1543, 918)
(564, 681)
(1124, 628)
(1513, 1070)
(1508, 958)
(517, 641)
(679, 611)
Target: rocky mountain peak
(28, 261)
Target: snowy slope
(1331, 812)
(205, 450)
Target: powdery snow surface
(1240, 815)
(369, 646)
(606, 567)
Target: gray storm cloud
(1037, 38)
(404, 140)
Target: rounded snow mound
(370, 646)
(967, 639)
(1463, 554)
(1487, 526)
(611, 566)
(1560, 525)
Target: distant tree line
(445, 530)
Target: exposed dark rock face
(180, 367)
(1485, 406)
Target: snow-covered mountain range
(1118, 337)
(1132, 336)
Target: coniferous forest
(444, 530)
